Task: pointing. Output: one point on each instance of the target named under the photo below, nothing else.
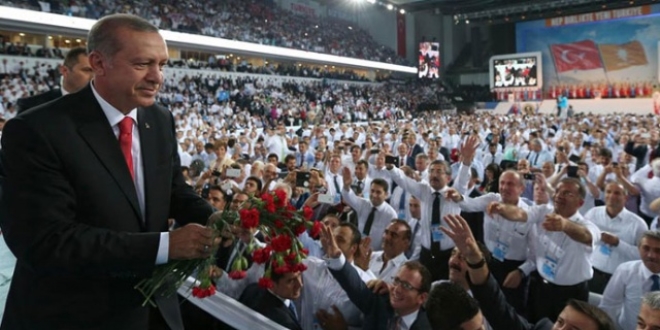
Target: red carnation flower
(199, 292)
(266, 283)
(308, 212)
(260, 256)
(316, 229)
(281, 243)
(281, 269)
(300, 229)
(298, 267)
(305, 252)
(249, 218)
(281, 199)
(279, 224)
(237, 274)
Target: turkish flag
(581, 55)
(401, 34)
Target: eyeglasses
(405, 285)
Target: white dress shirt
(423, 191)
(382, 218)
(558, 258)
(330, 179)
(505, 239)
(388, 273)
(627, 226)
(622, 298)
(395, 202)
(649, 191)
(115, 116)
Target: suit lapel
(148, 146)
(94, 128)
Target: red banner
(581, 55)
(401, 34)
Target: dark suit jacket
(416, 150)
(268, 305)
(497, 310)
(37, 100)
(73, 220)
(445, 153)
(378, 312)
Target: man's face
(335, 165)
(251, 187)
(649, 251)
(405, 296)
(217, 199)
(238, 202)
(380, 160)
(548, 169)
(356, 153)
(403, 149)
(77, 76)
(615, 196)
(331, 221)
(457, 267)
(360, 171)
(437, 176)
(291, 164)
(572, 319)
(420, 164)
(270, 172)
(343, 237)
(289, 286)
(377, 194)
(523, 166)
(648, 319)
(567, 198)
(302, 147)
(133, 75)
(510, 187)
(415, 208)
(318, 156)
(220, 152)
(394, 240)
(475, 323)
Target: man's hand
(513, 279)
(347, 177)
(192, 241)
(328, 243)
(334, 321)
(362, 255)
(469, 148)
(378, 286)
(215, 272)
(459, 231)
(494, 208)
(452, 194)
(609, 238)
(554, 222)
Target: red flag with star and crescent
(581, 55)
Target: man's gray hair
(652, 299)
(102, 36)
(651, 234)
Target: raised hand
(346, 176)
(454, 195)
(459, 231)
(328, 243)
(469, 149)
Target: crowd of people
(256, 21)
(430, 220)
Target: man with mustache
(623, 294)
(561, 252)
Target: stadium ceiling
(500, 8)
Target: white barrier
(228, 310)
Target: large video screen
(429, 60)
(515, 70)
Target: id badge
(549, 268)
(436, 233)
(402, 214)
(337, 199)
(605, 250)
(500, 251)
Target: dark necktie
(435, 221)
(492, 161)
(656, 283)
(359, 184)
(402, 201)
(414, 234)
(302, 160)
(395, 323)
(337, 189)
(370, 221)
(292, 308)
(536, 159)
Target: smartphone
(302, 179)
(615, 164)
(572, 172)
(574, 158)
(560, 149)
(326, 199)
(586, 144)
(205, 191)
(226, 186)
(392, 160)
(374, 151)
(216, 173)
(529, 176)
(233, 173)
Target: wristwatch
(478, 265)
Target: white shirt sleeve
(162, 257)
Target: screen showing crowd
(515, 72)
(429, 60)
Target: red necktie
(126, 141)
(650, 175)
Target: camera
(529, 176)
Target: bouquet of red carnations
(274, 216)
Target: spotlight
(390, 7)
(467, 21)
(402, 11)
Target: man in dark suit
(76, 74)
(276, 303)
(401, 306)
(91, 180)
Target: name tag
(436, 233)
(549, 268)
(605, 250)
(500, 251)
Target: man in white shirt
(333, 176)
(622, 298)
(649, 314)
(373, 214)
(621, 231)
(361, 182)
(385, 264)
(563, 242)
